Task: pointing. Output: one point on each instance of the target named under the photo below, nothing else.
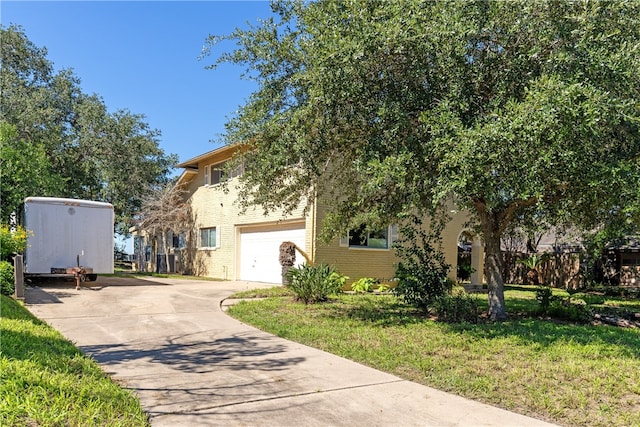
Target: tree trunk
(287, 259)
(142, 255)
(166, 250)
(493, 265)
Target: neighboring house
(624, 260)
(227, 244)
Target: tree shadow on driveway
(246, 351)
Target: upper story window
(215, 174)
(377, 239)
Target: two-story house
(227, 244)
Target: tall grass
(570, 374)
(46, 381)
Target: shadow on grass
(523, 288)
(378, 310)
(523, 326)
(520, 307)
(547, 333)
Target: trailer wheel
(92, 277)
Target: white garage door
(260, 250)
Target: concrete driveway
(192, 365)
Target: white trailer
(68, 238)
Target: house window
(220, 172)
(209, 237)
(217, 174)
(377, 239)
(179, 241)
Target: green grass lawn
(46, 381)
(570, 374)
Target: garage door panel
(260, 250)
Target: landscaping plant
(314, 283)
(363, 285)
(565, 308)
(458, 307)
(12, 240)
(422, 270)
(7, 283)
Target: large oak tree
(513, 109)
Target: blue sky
(143, 56)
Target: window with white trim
(209, 238)
(376, 239)
(218, 173)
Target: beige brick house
(231, 245)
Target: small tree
(164, 211)
(422, 270)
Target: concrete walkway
(192, 365)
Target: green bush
(12, 240)
(314, 283)
(340, 279)
(457, 308)
(565, 309)
(422, 270)
(7, 282)
(590, 299)
(363, 285)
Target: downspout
(313, 229)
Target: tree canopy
(59, 141)
(513, 110)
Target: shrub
(7, 282)
(590, 299)
(314, 283)
(422, 271)
(456, 308)
(564, 308)
(364, 284)
(340, 279)
(12, 241)
(544, 296)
